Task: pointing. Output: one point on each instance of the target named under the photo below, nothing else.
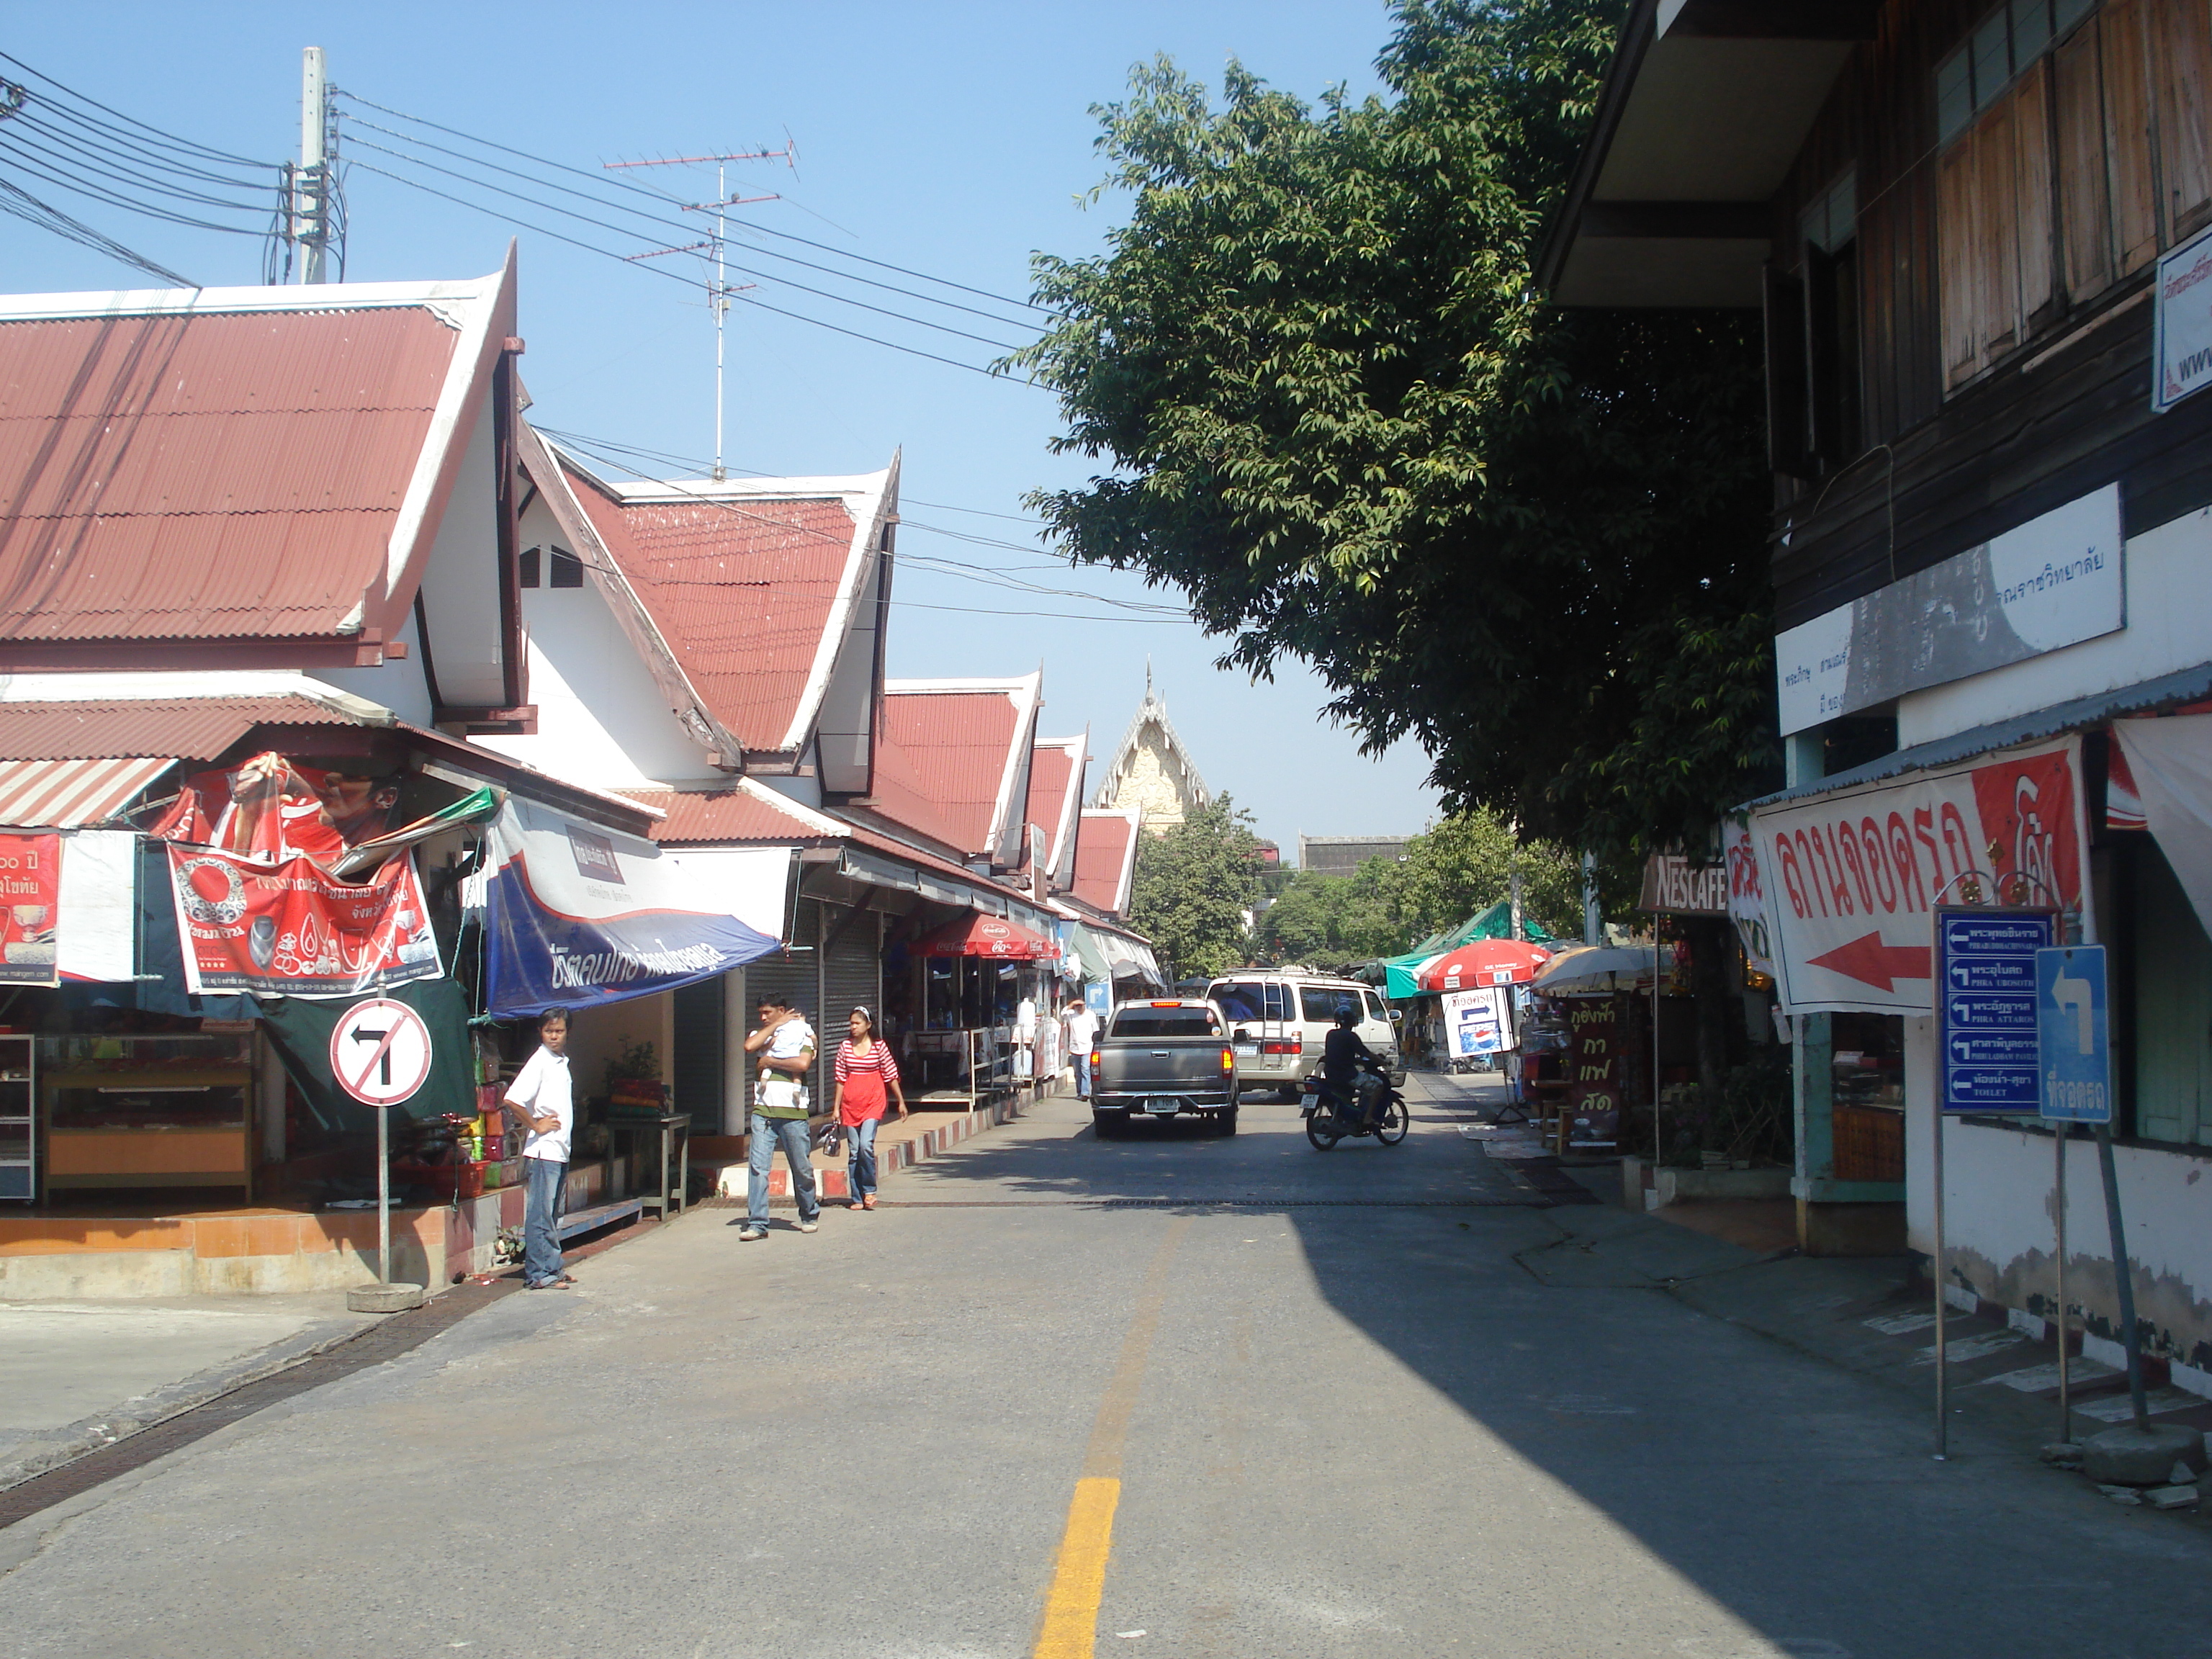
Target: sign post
(380, 1054)
(1985, 1022)
(2074, 1058)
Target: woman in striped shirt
(864, 1070)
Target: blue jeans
(541, 1217)
(861, 1162)
(791, 1133)
(1082, 1074)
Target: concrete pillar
(737, 1074)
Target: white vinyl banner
(2172, 760)
(1851, 879)
(1746, 896)
(99, 904)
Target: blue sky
(951, 140)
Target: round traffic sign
(380, 1052)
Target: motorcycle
(1369, 1107)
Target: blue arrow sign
(1987, 1012)
(2074, 1053)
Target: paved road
(1304, 1427)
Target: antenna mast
(718, 295)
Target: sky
(953, 141)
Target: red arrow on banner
(1870, 962)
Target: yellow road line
(1079, 1579)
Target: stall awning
(1483, 962)
(988, 936)
(69, 794)
(2170, 761)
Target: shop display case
(19, 1099)
(170, 1110)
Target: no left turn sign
(380, 1052)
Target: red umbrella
(988, 936)
(1486, 961)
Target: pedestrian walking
(542, 1097)
(865, 1071)
(1082, 1031)
(784, 1042)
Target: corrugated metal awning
(68, 794)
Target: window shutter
(2031, 127)
(2183, 30)
(2127, 132)
(1961, 283)
(2085, 209)
(1786, 451)
(1996, 229)
(1821, 368)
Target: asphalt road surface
(1288, 1404)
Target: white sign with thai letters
(2182, 352)
(2052, 582)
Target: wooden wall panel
(2124, 25)
(2032, 193)
(2085, 195)
(2183, 32)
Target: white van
(1278, 1016)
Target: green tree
(1195, 889)
(1332, 413)
(1465, 864)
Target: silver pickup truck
(1163, 1059)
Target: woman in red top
(864, 1070)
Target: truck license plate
(1166, 1106)
(1247, 1050)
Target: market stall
(978, 973)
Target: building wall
(2000, 1222)
(2168, 576)
(1155, 783)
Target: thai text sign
(1475, 1021)
(2074, 1051)
(2182, 358)
(1986, 1015)
(290, 928)
(1593, 1105)
(2050, 582)
(1746, 896)
(30, 893)
(1852, 878)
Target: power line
(55, 174)
(168, 139)
(563, 167)
(24, 205)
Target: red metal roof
(725, 814)
(1054, 780)
(207, 476)
(68, 794)
(741, 589)
(185, 728)
(947, 761)
(1104, 851)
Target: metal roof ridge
(211, 301)
(640, 492)
(1011, 685)
(870, 514)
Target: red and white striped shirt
(866, 1078)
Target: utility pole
(313, 184)
(718, 295)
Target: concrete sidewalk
(901, 1143)
(78, 1375)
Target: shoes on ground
(749, 1232)
(807, 1226)
(869, 1202)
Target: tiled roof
(186, 728)
(743, 584)
(1105, 856)
(207, 474)
(745, 811)
(949, 758)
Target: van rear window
(1166, 1023)
(1320, 1002)
(1244, 998)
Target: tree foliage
(1332, 413)
(1195, 889)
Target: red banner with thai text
(30, 899)
(290, 929)
(1851, 880)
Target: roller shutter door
(795, 977)
(852, 971)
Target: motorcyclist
(1341, 1051)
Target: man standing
(1082, 1031)
(540, 1096)
(785, 1044)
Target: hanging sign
(2074, 1050)
(580, 916)
(1986, 1020)
(380, 1052)
(1851, 878)
(1593, 1103)
(1475, 1021)
(291, 928)
(30, 895)
(2182, 358)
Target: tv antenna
(717, 293)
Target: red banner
(30, 897)
(292, 929)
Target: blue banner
(578, 916)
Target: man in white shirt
(1082, 1030)
(784, 1044)
(541, 1097)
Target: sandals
(868, 1201)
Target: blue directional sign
(1986, 1006)
(2074, 1047)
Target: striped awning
(68, 794)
